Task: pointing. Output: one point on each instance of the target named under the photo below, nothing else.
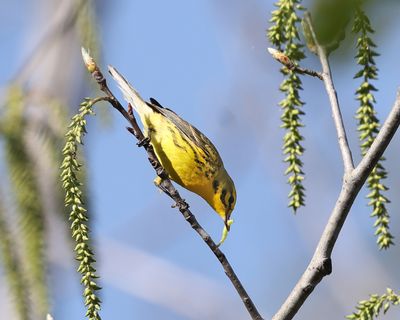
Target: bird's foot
(143, 142)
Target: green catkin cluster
(29, 206)
(368, 124)
(78, 218)
(370, 309)
(284, 35)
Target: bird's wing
(189, 131)
(143, 107)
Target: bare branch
(337, 115)
(320, 264)
(282, 58)
(330, 89)
(167, 187)
(309, 72)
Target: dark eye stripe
(230, 203)
(222, 197)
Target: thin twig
(330, 89)
(284, 59)
(308, 72)
(167, 187)
(337, 115)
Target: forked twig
(353, 179)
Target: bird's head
(223, 196)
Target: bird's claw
(143, 142)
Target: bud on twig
(88, 60)
(281, 57)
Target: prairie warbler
(187, 155)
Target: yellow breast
(185, 163)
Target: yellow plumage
(187, 155)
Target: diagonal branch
(337, 115)
(284, 59)
(55, 30)
(320, 264)
(330, 89)
(167, 187)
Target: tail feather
(130, 94)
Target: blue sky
(207, 61)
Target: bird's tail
(130, 94)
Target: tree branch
(337, 115)
(284, 59)
(309, 72)
(353, 179)
(167, 187)
(54, 31)
(320, 264)
(330, 89)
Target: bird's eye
(231, 199)
(222, 197)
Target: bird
(187, 155)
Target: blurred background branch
(34, 114)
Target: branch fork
(353, 179)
